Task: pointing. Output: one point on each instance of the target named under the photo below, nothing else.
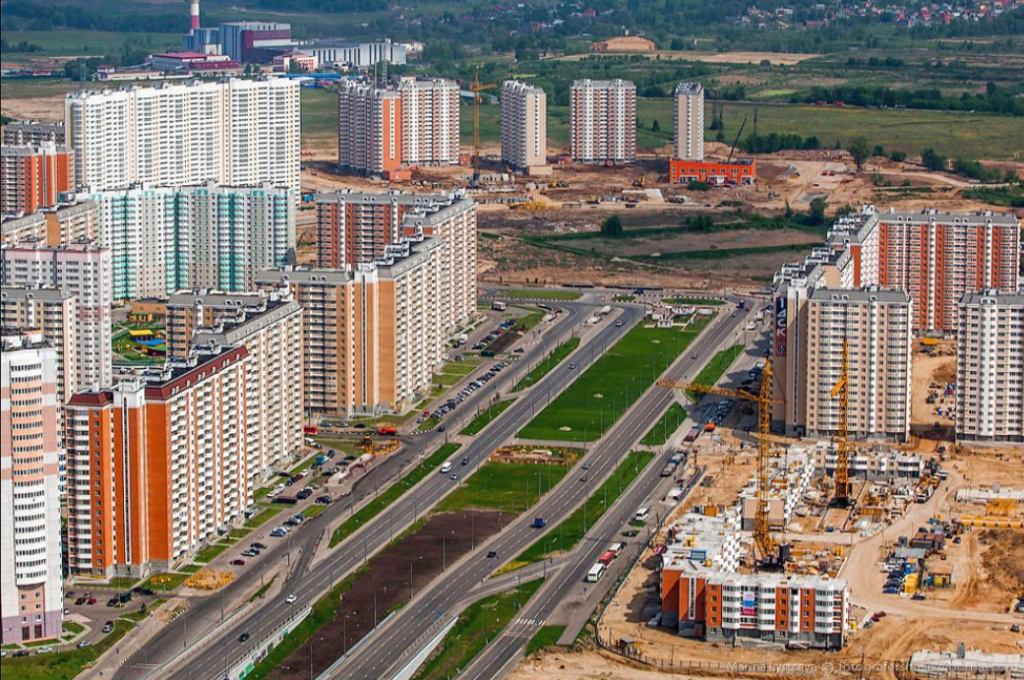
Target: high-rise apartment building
(430, 121)
(603, 121)
(84, 271)
(369, 128)
(875, 325)
(33, 133)
(189, 312)
(158, 465)
(33, 177)
(60, 225)
(232, 132)
(31, 592)
(689, 117)
(990, 367)
(524, 128)
(166, 239)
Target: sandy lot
(927, 371)
(711, 57)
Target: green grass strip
(509, 487)
(715, 369)
(696, 302)
(545, 367)
(544, 294)
(67, 664)
(546, 637)
(263, 517)
(210, 552)
(477, 626)
(666, 426)
(486, 416)
(392, 493)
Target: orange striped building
(33, 177)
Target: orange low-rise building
(742, 171)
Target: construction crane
(477, 88)
(763, 540)
(841, 391)
(736, 141)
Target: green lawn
(611, 385)
(546, 637)
(716, 368)
(477, 626)
(566, 535)
(164, 582)
(486, 416)
(392, 493)
(618, 298)
(67, 664)
(348, 446)
(210, 552)
(666, 425)
(530, 321)
(319, 118)
(509, 487)
(545, 367)
(540, 294)
(263, 517)
(694, 302)
(139, 614)
(73, 628)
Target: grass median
(546, 637)
(570, 532)
(484, 418)
(599, 397)
(508, 487)
(715, 369)
(666, 426)
(392, 493)
(543, 294)
(477, 626)
(546, 366)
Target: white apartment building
(524, 128)
(990, 367)
(603, 121)
(430, 121)
(83, 270)
(166, 239)
(876, 326)
(689, 118)
(31, 591)
(369, 128)
(232, 132)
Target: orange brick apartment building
(33, 177)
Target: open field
(609, 387)
(549, 363)
(509, 488)
(319, 122)
(70, 42)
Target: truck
(499, 306)
(691, 435)
(668, 470)
(606, 557)
(309, 429)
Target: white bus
(595, 573)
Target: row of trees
(994, 100)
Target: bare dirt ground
(927, 371)
(46, 109)
(775, 58)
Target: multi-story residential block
(360, 55)
(369, 128)
(779, 608)
(430, 121)
(689, 117)
(33, 133)
(187, 313)
(83, 270)
(33, 177)
(524, 128)
(990, 367)
(373, 335)
(232, 132)
(60, 225)
(158, 465)
(166, 239)
(31, 593)
(603, 121)
(875, 324)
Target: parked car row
(472, 387)
(495, 334)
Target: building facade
(369, 128)
(83, 270)
(355, 54)
(524, 128)
(61, 225)
(232, 132)
(876, 327)
(603, 121)
(689, 118)
(430, 121)
(990, 367)
(33, 177)
(31, 591)
(33, 133)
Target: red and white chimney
(194, 13)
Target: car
(107, 627)
(291, 599)
(586, 466)
(440, 428)
(20, 652)
(1015, 628)
(82, 644)
(70, 594)
(454, 477)
(243, 637)
(113, 602)
(324, 500)
(277, 533)
(492, 555)
(91, 600)
(694, 356)
(258, 546)
(80, 601)
(572, 367)
(619, 324)
(918, 596)
(249, 553)
(630, 533)
(44, 650)
(238, 562)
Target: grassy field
(546, 637)
(593, 403)
(477, 626)
(74, 42)
(486, 416)
(716, 368)
(263, 517)
(532, 318)
(566, 535)
(210, 553)
(319, 119)
(541, 294)
(693, 301)
(392, 493)
(67, 664)
(509, 487)
(545, 367)
(666, 425)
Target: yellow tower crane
(477, 88)
(763, 540)
(841, 390)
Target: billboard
(749, 603)
(781, 323)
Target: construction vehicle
(477, 88)
(736, 141)
(841, 390)
(378, 447)
(640, 182)
(771, 554)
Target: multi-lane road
(174, 652)
(404, 630)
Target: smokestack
(194, 13)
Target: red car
(91, 600)
(238, 563)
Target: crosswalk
(521, 621)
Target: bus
(595, 573)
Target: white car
(291, 599)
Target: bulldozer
(378, 447)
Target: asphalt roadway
(404, 631)
(168, 653)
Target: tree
(898, 156)
(612, 226)
(860, 152)
(933, 160)
(817, 211)
(655, 126)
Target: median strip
(545, 367)
(484, 418)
